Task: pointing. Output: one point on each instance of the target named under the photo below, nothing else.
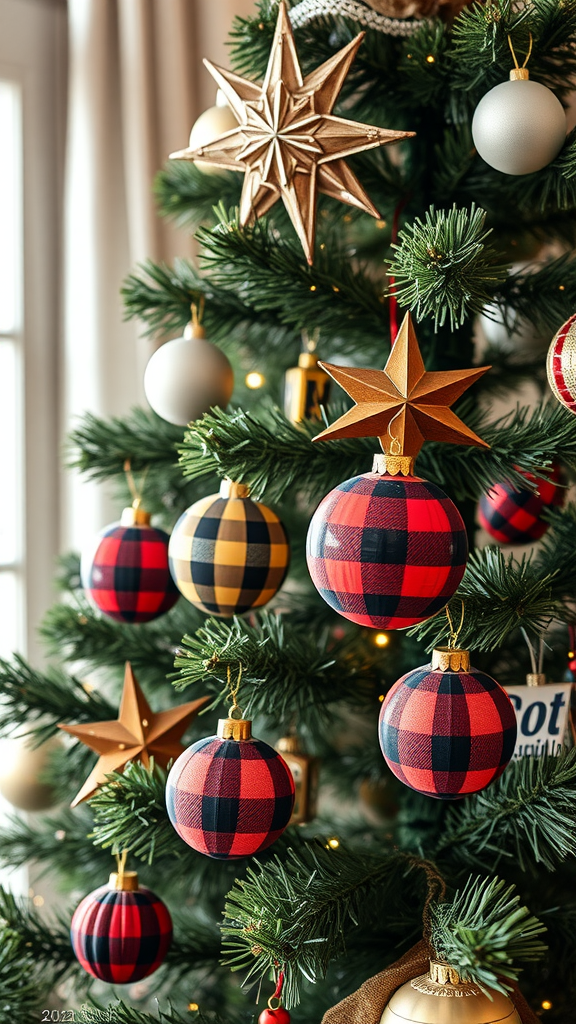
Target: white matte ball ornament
(187, 376)
(215, 121)
(519, 126)
(21, 773)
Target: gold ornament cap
(394, 465)
(234, 729)
(230, 489)
(135, 517)
(450, 659)
(519, 75)
(308, 360)
(124, 881)
(193, 330)
(289, 745)
(536, 679)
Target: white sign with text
(542, 717)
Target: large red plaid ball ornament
(513, 515)
(121, 932)
(447, 729)
(561, 365)
(386, 551)
(125, 572)
(228, 553)
(230, 795)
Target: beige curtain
(136, 84)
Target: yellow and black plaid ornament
(227, 553)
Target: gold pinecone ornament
(441, 997)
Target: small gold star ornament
(403, 405)
(136, 735)
(288, 142)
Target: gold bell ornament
(306, 386)
(305, 770)
(441, 997)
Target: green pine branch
(24, 982)
(293, 914)
(54, 843)
(483, 930)
(42, 700)
(287, 673)
(121, 1013)
(77, 633)
(545, 296)
(48, 944)
(188, 194)
(277, 458)
(501, 594)
(527, 817)
(444, 266)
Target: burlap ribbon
(366, 1005)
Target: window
(12, 615)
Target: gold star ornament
(136, 735)
(403, 405)
(288, 143)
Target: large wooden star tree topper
(288, 142)
(403, 405)
(136, 735)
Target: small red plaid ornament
(230, 795)
(121, 932)
(447, 729)
(561, 365)
(125, 571)
(513, 515)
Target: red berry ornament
(447, 729)
(279, 1016)
(126, 574)
(513, 515)
(121, 933)
(229, 795)
(386, 551)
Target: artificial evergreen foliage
(334, 901)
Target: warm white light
(333, 843)
(255, 380)
(381, 639)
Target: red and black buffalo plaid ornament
(121, 933)
(229, 554)
(386, 551)
(447, 729)
(230, 795)
(513, 515)
(125, 573)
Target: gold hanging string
(233, 690)
(197, 310)
(121, 866)
(135, 491)
(310, 341)
(516, 64)
(395, 445)
(454, 633)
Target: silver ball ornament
(519, 126)
(186, 377)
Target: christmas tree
(411, 174)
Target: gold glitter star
(403, 405)
(288, 143)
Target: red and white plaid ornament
(561, 364)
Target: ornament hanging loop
(520, 73)
(135, 490)
(194, 329)
(454, 633)
(234, 711)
